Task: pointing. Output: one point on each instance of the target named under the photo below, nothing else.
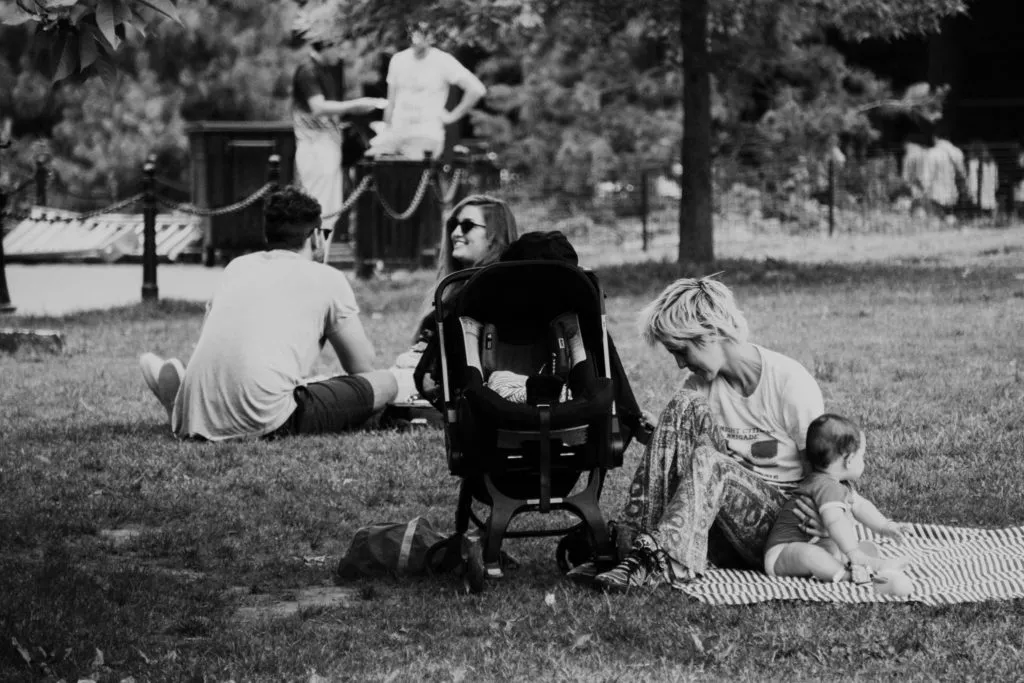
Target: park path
(58, 289)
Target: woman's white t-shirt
(767, 430)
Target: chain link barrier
(421, 191)
(364, 185)
(447, 196)
(368, 184)
(185, 207)
(117, 206)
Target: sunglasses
(465, 225)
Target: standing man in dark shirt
(318, 113)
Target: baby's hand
(897, 531)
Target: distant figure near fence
(982, 177)
(318, 112)
(419, 80)
(936, 174)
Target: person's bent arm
(320, 106)
(355, 351)
(865, 512)
(471, 94)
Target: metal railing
(154, 191)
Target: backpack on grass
(412, 548)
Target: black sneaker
(646, 565)
(584, 574)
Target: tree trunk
(696, 227)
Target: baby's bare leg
(806, 559)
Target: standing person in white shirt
(319, 117)
(419, 79)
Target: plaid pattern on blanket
(949, 565)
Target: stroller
(519, 453)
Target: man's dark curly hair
(290, 215)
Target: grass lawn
(928, 358)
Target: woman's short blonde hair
(694, 310)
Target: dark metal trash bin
(410, 243)
(480, 175)
(229, 163)
(414, 242)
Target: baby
(835, 450)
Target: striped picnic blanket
(949, 565)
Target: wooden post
(5, 297)
(274, 171)
(42, 176)
(643, 208)
(150, 292)
(831, 195)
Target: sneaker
(646, 565)
(163, 377)
(584, 574)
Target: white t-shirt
(261, 338)
(770, 425)
(421, 91)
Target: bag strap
(410, 533)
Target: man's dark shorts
(338, 404)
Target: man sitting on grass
(264, 329)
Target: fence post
(274, 171)
(831, 196)
(426, 250)
(150, 292)
(5, 297)
(42, 177)
(643, 209)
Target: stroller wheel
(574, 549)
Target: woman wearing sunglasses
(478, 230)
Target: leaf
(25, 654)
(78, 12)
(107, 72)
(122, 12)
(88, 50)
(164, 7)
(65, 55)
(582, 642)
(12, 14)
(58, 4)
(97, 661)
(105, 20)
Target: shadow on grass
(101, 432)
(140, 312)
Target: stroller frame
(484, 478)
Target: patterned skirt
(696, 501)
